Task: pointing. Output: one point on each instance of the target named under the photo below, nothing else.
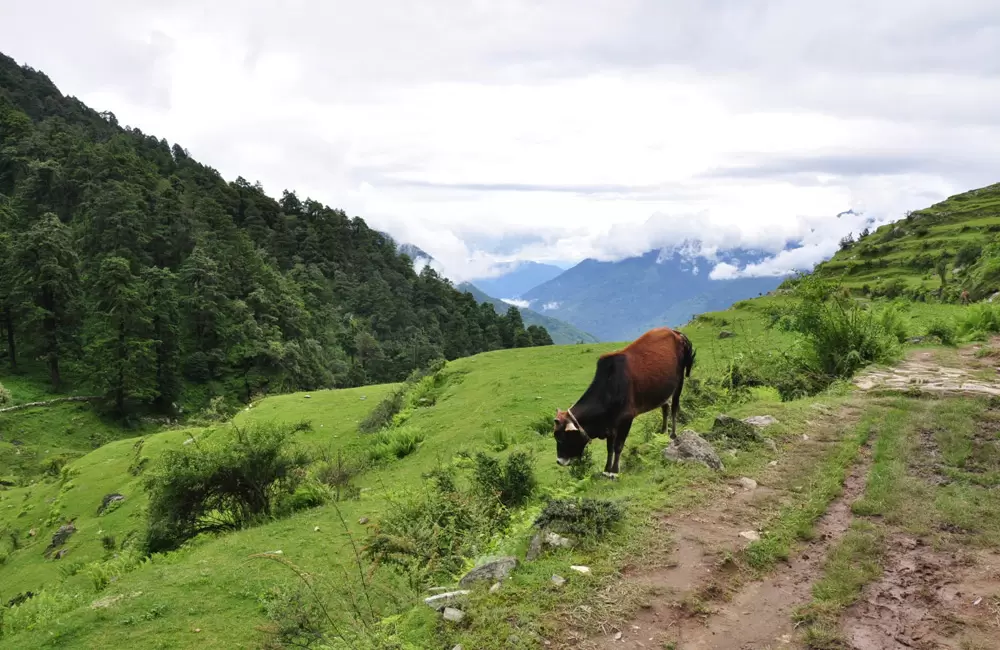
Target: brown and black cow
(645, 375)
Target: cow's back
(654, 366)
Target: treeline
(143, 274)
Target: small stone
(689, 446)
(761, 421)
(773, 463)
(731, 453)
(752, 535)
(558, 581)
(363, 521)
(453, 615)
(805, 436)
(316, 529)
(726, 334)
(458, 647)
(447, 599)
(730, 491)
(534, 548)
(618, 636)
(495, 570)
(580, 569)
(553, 539)
(748, 483)
(770, 444)
(308, 396)
(495, 588)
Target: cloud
(551, 305)
(520, 304)
(557, 130)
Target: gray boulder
(492, 571)
(440, 601)
(689, 446)
(726, 334)
(534, 548)
(453, 615)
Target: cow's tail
(688, 354)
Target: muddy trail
(700, 598)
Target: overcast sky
(485, 131)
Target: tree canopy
(156, 282)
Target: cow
(965, 297)
(644, 375)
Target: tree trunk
(11, 347)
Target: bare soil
(926, 599)
(699, 598)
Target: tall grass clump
(420, 389)
(843, 335)
(979, 322)
(225, 483)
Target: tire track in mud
(700, 600)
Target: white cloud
(551, 305)
(598, 129)
(520, 304)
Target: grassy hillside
(903, 258)
(562, 333)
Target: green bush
(421, 388)
(943, 330)
(511, 483)
(979, 321)
(580, 517)
(392, 445)
(225, 483)
(381, 416)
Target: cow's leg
(663, 426)
(611, 455)
(674, 407)
(620, 435)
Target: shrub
(392, 445)
(843, 336)
(542, 424)
(893, 323)
(230, 483)
(339, 475)
(381, 416)
(580, 517)
(943, 330)
(979, 321)
(584, 465)
(421, 388)
(511, 483)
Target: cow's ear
(571, 427)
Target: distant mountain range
(562, 333)
(617, 301)
(517, 278)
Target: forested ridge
(132, 271)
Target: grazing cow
(646, 374)
(965, 297)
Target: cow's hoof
(610, 475)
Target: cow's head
(570, 441)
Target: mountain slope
(905, 258)
(143, 276)
(617, 301)
(517, 279)
(562, 333)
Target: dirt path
(699, 600)
(930, 371)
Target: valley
(287, 436)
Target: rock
(458, 647)
(558, 581)
(495, 588)
(736, 432)
(752, 535)
(534, 548)
(558, 541)
(773, 463)
(108, 500)
(308, 396)
(62, 553)
(453, 615)
(771, 444)
(726, 334)
(495, 570)
(748, 483)
(363, 521)
(689, 446)
(60, 537)
(916, 340)
(316, 529)
(447, 599)
(761, 421)
(580, 569)
(805, 436)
